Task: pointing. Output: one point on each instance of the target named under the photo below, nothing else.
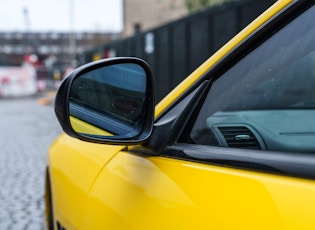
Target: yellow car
(232, 147)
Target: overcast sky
(55, 15)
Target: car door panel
(137, 192)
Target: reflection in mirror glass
(109, 101)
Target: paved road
(26, 131)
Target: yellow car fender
(74, 165)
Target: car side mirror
(108, 101)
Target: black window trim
(258, 37)
(301, 165)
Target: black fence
(174, 50)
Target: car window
(267, 100)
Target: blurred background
(42, 41)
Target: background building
(51, 49)
(59, 49)
(141, 15)
(174, 49)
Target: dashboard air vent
(239, 137)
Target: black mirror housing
(109, 101)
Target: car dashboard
(277, 130)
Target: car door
(237, 152)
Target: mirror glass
(109, 101)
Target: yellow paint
(73, 166)
(134, 192)
(96, 57)
(85, 128)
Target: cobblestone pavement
(27, 128)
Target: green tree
(196, 5)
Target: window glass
(267, 100)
